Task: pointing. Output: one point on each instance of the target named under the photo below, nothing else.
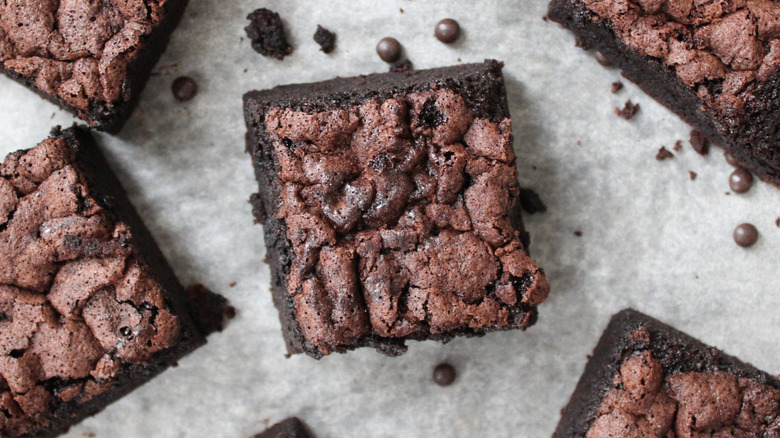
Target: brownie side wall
(661, 83)
(676, 351)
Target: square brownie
(288, 428)
(716, 64)
(91, 58)
(646, 379)
(89, 308)
(389, 203)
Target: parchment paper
(652, 238)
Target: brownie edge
(368, 188)
(631, 335)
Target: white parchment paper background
(652, 239)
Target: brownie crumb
(616, 86)
(745, 235)
(531, 202)
(266, 32)
(677, 146)
(402, 66)
(740, 181)
(402, 10)
(184, 88)
(628, 111)
(233, 283)
(663, 154)
(444, 374)
(699, 142)
(777, 222)
(210, 310)
(578, 233)
(603, 60)
(692, 174)
(325, 38)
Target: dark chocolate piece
(447, 31)
(745, 235)
(289, 428)
(616, 86)
(389, 49)
(663, 154)
(716, 64)
(325, 38)
(444, 374)
(648, 379)
(91, 58)
(389, 208)
(628, 111)
(184, 88)
(266, 32)
(740, 181)
(90, 307)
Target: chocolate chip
(628, 111)
(663, 154)
(184, 88)
(444, 374)
(745, 235)
(740, 181)
(389, 49)
(325, 38)
(699, 142)
(731, 159)
(603, 60)
(616, 86)
(447, 30)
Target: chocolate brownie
(716, 64)
(89, 308)
(389, 204)
(91, 58)
(289, 428)
(648, 379)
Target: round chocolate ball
(745, 235)
(184, 88)
(603, 60)
(389, 49)
(731, 159)
(740, 181)
(444, 374)
(447, 30)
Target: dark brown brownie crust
(92, 60)
(120, 329)
(734, 102)
(629, 333)
(288, 428)
(481, 88)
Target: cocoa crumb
(677, 146)
(628, 111)
(663, 154)
(692, 174)
(699, 142)
(616, 86)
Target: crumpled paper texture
(651, 238)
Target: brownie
(715, 63)
(266, 32)
(91, 58)
(89, 308)
(647, 379)
(289, 428)
(389, 204)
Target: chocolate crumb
(402, 66)
(325, 38)
(447, 30)
(209, 310)
(699, 142)
(745, 235)
(444, 374)
(677, 146)
(402, 10)
(628, 111)
(184, 88)
(777, 222)
(578, 233)
(663, 154)
(603, 60)
(579, 143)
(740, 181)
(233, 283)
(389, 49)
(692, 174)
(266, 32)
(531, 202)
(616, 86)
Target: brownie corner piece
(89, 308)
(390, 209)
(92, 59)
(290, 427)
(646, 378)
(716, 65)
